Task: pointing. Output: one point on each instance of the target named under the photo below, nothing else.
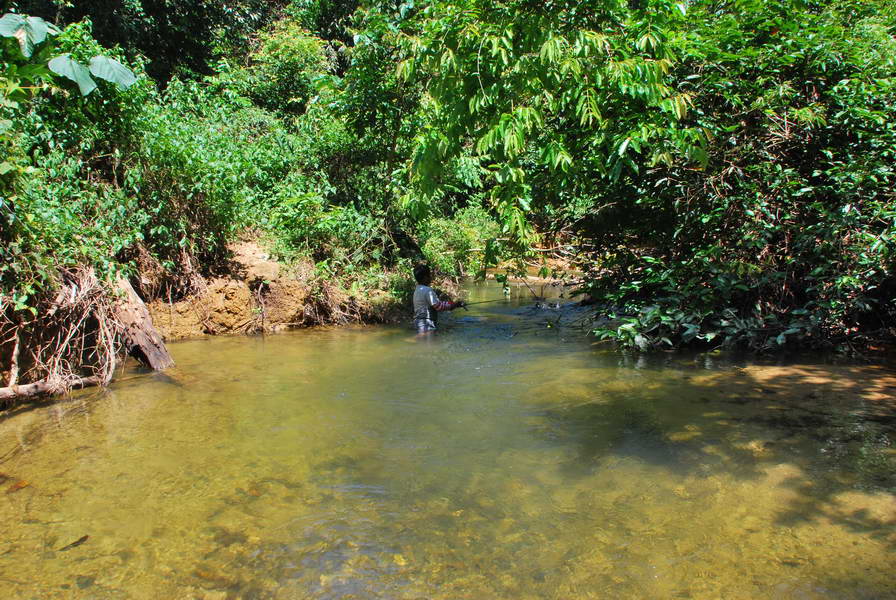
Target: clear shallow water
(500, 459)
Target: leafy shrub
(341, 235)
(65, 221)
(787, 235)
(59, 204)
(284, 68)
(457, 245)
(209, 163)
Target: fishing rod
(482, 302)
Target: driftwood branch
(77, 338)
(41, 388)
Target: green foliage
(28, 31)
(284, 68)
(209, 163)
(551, 97)
(181, 35)
(725, 169)
(786, 236)
(30, 67)
(180, 173)
(100, 66)
(64, 221)
(457, 245)
(337, 234)
(52, 218)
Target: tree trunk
(142, 340)
(14, 361)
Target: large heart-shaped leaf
(112, 70)
(11, 23)
(68, 67)
(39, 29)
(29, 31)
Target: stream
(507, 457)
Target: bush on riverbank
(785, 233)
(180, 172)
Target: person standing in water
(427, 305)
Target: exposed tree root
(75, 339)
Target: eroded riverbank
(501, 459)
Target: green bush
(456, 246)
(787, 235)
(284, 68)
(305, 224)
(63, 222)
(61, 200)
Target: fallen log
(141, 339)
(42, 388)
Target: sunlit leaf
(28, 31)
(71, 69)
(111, 70)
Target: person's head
(423, 274)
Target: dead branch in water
(43, 388)
(72, 340)
(141, 339)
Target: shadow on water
(837, 425)
(611, 428)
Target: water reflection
(501, 459)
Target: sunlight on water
(501, 459)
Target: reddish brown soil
(264, 295)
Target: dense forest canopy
(719, 172)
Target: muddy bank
(264, 296)
(78, 338)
